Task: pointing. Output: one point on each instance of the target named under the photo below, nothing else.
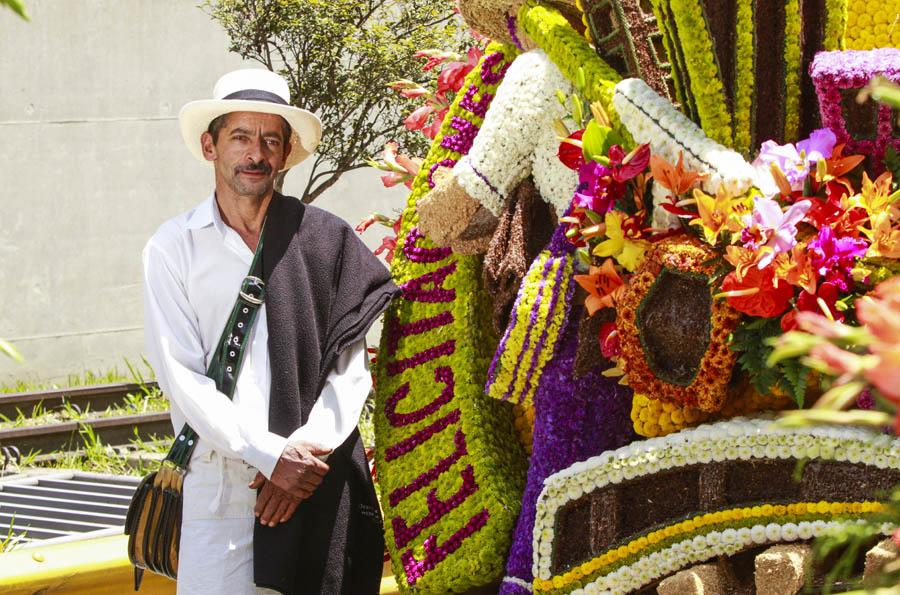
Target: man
(290, 431)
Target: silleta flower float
(626, 209)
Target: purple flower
(834, 257)
(772, 230)
(596, 190)
(795, 161)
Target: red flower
(609, 341)
(454, 73)
(624, 167)
(756, 294)
(571, 155)
(807, 302)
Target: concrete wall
(91, 162)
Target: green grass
(85, 378)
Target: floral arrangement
(450, 491)
(750, 248)
(871, 25)
(515, 131)
(835, 74)
(629, 561)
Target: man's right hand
(299, 472)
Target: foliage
(7, 349)
(338, 58)
(788, 376)
(18, 7)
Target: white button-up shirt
(193, 268)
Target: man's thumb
(319, 450)
(258, 481)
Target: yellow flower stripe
(705, 85)
(744, 78)
(524, 422)
(872, 25)
(793, 70)
(516, 377)
(637, 548)
(836, 21)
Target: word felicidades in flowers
(450, 496)
(737, 462)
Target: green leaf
(17, 6)
(597, 140)
(7, 348)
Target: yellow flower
(716, 214)
(628, 251)
(884, 237)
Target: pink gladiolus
(418, 119)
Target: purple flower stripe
(399, 330)
(512, 26)
(401, 365)
(526, 343)
(437, 509)
(555, 289)
(434, 554)
(401, 494)
(443, 374)
(407, 444)
(412, 290)
(462, 141)
(484, 179)
(443, 163)
(488, 75)
(478, 108)
(422, 255)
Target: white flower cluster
(654, 120)
(517, 138)
(626, 579)
(737, 439)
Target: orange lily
(602, 284)
(742, 259)
(796, 268)
(885, 237)
(674, 178)
(875, 196)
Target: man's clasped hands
(297, 474)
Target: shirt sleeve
(336, 412)
(174, 349)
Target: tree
(338, 57)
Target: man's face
(249, 152)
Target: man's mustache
(261, 167)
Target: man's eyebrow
(267, 133)
(239, 131)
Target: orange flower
(675, 179)
(756, 294)
(875, 196)
(742, 259)
(884, 236)
(796, 268)
(602, 283)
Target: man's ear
(208, 147)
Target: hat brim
(306, 127)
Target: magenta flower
(597, 190)
(796, 161)
(834, 257)
(771, 230)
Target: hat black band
(256, 95)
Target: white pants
(216, 555)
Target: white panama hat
(251, 90)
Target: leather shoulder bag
(153, 523)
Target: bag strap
(228, 357)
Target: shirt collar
(206, 214)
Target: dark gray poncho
(324, 289)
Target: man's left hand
(273, 505)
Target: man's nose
(255, 151)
